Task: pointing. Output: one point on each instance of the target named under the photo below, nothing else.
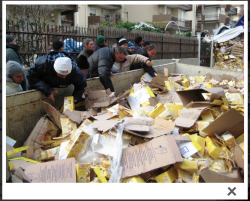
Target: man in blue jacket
(56, 70)
(101, 62)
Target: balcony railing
(209, 18)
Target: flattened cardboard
(169, 125)
(238, 156)
(74, 115)
(42, 127)
(137, 127)
(59, 171)
(170, 97)
(188, 117)
(210, 176)
(104, 125)
(19, 163)
(160, 79)
(195, 95)
(104, 116)
(231, 121)
(53, 113)
(150, 155)
(101, 98)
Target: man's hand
(111, 75)
(51, 95)
(148, 63)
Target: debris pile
(172, 128)
(229, 55)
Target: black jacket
(150, 70)
(100, 64)
(42, 76)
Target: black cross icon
(231, 191)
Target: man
(131, 48)
(81, 59)
(56, 70)
(57, 45)
(122, 42)
(146, 43)
(100, 42)
(14, 77)
(138, 43)
(124, 66)
(148, 52)
(13, 55)
(101, 62)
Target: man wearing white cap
(56, 70)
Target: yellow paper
(187, 165)
(82, 173)
(136, 179)
(16, 150)
(168, 176)
(158, 109)
(68, 103)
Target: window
(107, 16)
(92, 12)
(182, 15)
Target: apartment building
(172, 18)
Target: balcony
(181, 6)
(107, 7)
(162, 20)
(209, 18)
(231, 10)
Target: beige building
(173, 18)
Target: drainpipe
(212, 51)
(199, 46)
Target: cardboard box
(43, 131)
(167, 177)
(158, 109)
(82, 173)
(188, 117)
(68, 103)
(210, 176)
(68, 126)
(151, 155)
(214, 150)
(231, 121)
(60, 171)
(187, 165)
(194, 95)
(136, 179)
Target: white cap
(63, 65)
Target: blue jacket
(42, 76)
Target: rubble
(168, 129)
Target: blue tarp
(240, 22)
(71, 45)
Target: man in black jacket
(148, 52)
(101, 62)
(56, 70)
(81, 59)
